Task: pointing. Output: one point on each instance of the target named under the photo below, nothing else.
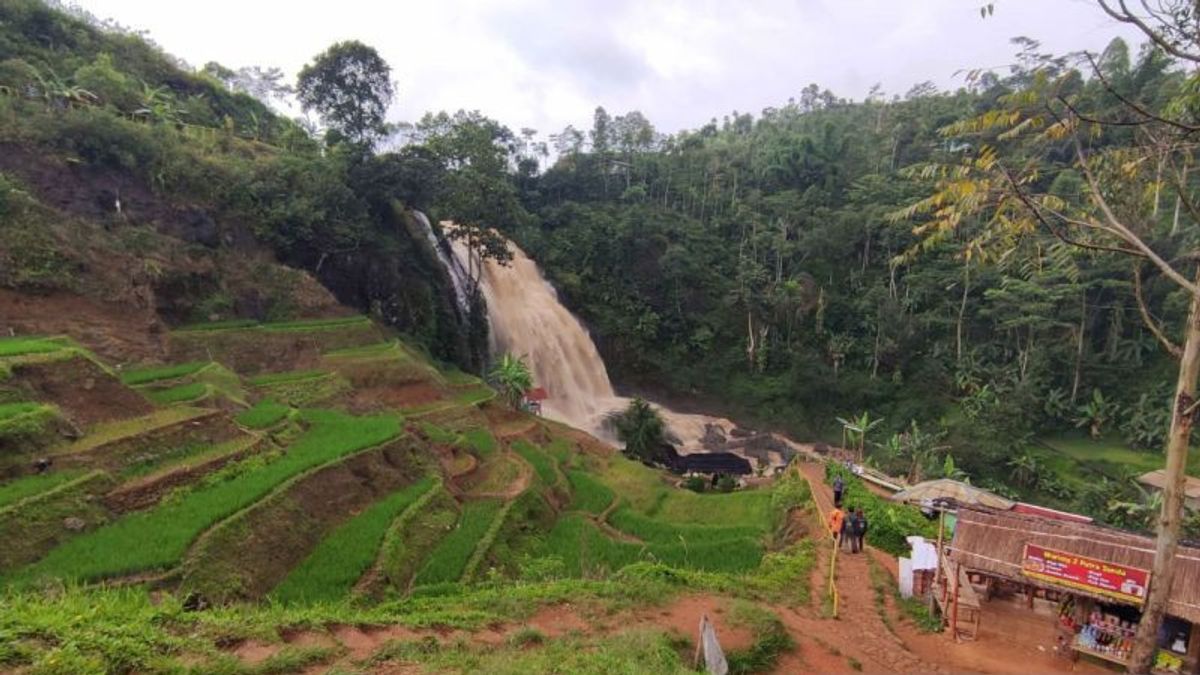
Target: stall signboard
(1119, 582)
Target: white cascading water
(527, 320)
(454, 268)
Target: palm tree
(640, 428)
(856, 429)
(512, 377)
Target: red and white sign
(1127, 584)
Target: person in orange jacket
(836, 516)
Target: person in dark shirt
(860, 529)
(839, 487)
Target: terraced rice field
(157, 539)
(470, 503)
(331, 571)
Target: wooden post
(937, 572)
(954, 613)
(1191, 662)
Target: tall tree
(1122, 145)
(349, 85)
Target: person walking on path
(836, 524)
(839, 486)
(860, 530)
(847, 538)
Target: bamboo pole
(937, 572)
(954, 613)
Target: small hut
(1099, 577)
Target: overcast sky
(548, 63)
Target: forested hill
(756, 266)
(129, 177)
(753, 262)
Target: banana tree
(1095, 414)
(855, 430)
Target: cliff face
(95, 253)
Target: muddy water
(528, 320)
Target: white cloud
(548, 63)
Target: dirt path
(516, 487)
(601, 522)
(859, 630)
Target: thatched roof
(994, 543)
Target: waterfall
(527, 320)
(453, 266)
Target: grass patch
(588, 552)
(436, 434)
(184, 393)
(157, 538)
(20, 346)
(121, 630)
(457, 378)
(481, 441)
(289, 376)
(341, 558)
(771, 639)
(188, 454)
(317, 324)
(11, 410)
(415, 534)
(640, 651)
(266, 413)
(748, 508)
(1108, 456)
(377, 349)
(449, 560)
(542, 464)
(589, 494)
(475, 396)
(23, 488)
(228, 324)
(110, 432)
(24, 420)
(651, 530)
(158, 373)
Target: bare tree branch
(1123, 232)
(1133, 105)
(1126, 16)
(1151, 323)
(1036, 210)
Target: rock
(74, 524)
(89, 384)
(714, 437)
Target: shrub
(888, 523)
(726, 484)
(695, 483)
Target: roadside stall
(1096, 577)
